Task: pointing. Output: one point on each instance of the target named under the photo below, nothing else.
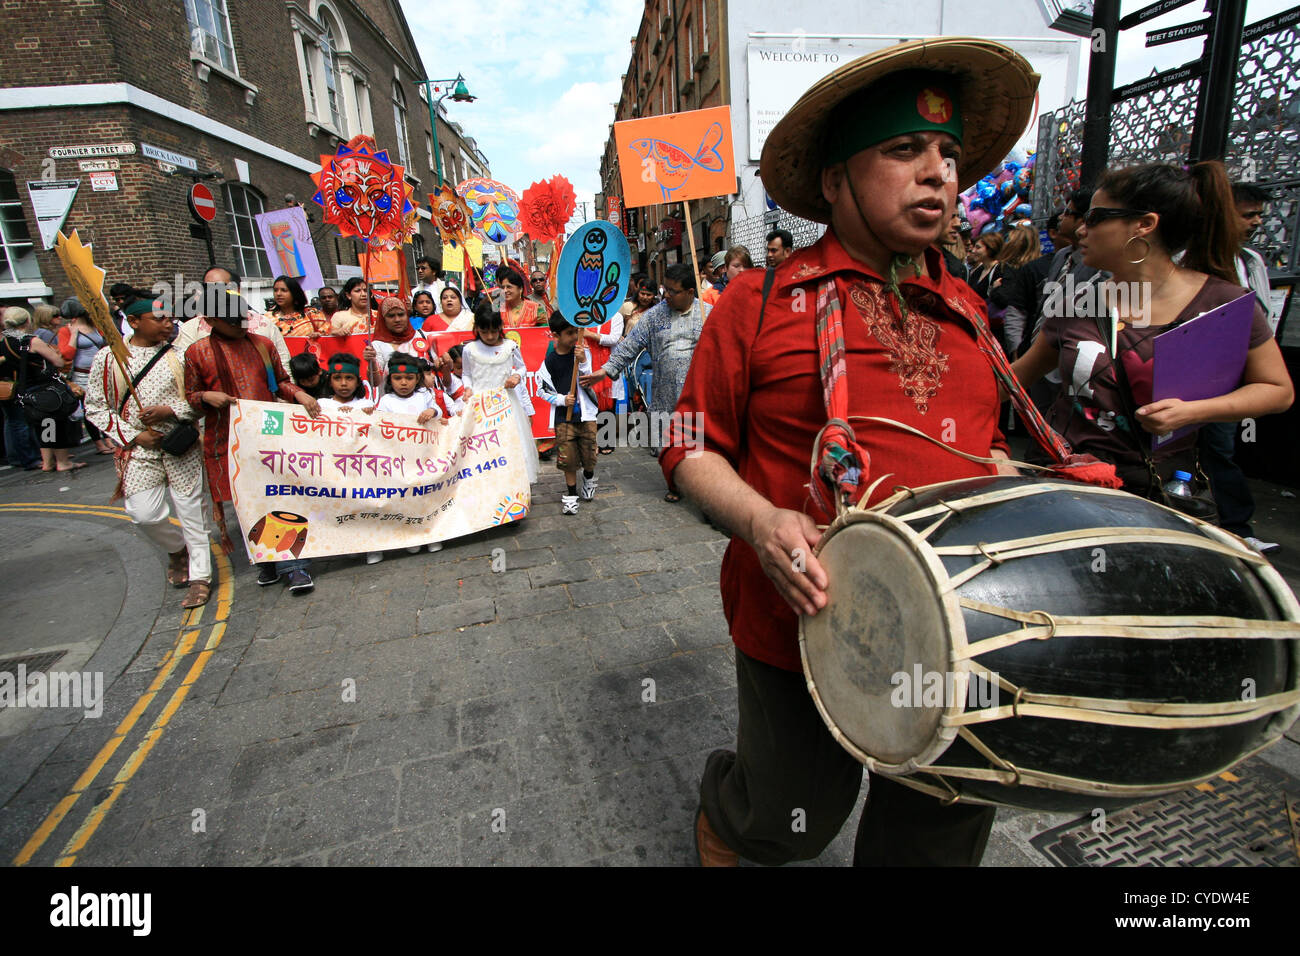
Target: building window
(428, 150)
(310, 53)
(417, 247)
(704, 26)
(364, 120)
(210, 31)
(243, 204)
(333, 80)
(690, 47)
(18, 264)
(399, 124)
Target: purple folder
(1202, 358)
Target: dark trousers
(787, 790)
(1217, 445)
(19, 448)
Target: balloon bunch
(1002, 199)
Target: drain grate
(34, 662)
(1236, 819)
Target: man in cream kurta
(149, 474)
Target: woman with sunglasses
(1102, 343)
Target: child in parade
(431, 382)
(404, 396)
(307, 375)
(493, 361)
(347, 389)
(573, 411)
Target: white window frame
(199, 32)
(704, 27)
(690, 46)
(12, 216)
(243, 252)
(400, 127)
(428, 152)
(332, 77)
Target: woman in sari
(292, 314)
(516, 311)
(357, 318)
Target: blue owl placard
(591, 280)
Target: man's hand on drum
(784, 541)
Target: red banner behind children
(533, 343)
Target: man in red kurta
(220, 369)
(877, 153)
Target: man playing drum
(878, 150)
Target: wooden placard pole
(695, 261)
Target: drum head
(883, 636)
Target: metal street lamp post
(459, 93)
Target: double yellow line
(188, 638)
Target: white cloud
(545, 73)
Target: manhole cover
(33, 662)
(1236, 819)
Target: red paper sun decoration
(546, 207)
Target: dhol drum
(1047, 645)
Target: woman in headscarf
(454, 316)
(394, 333)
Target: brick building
(249, 93)
(676, 65)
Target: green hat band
(140, 307)
(344, 363)
(403, 363)
(913, 101)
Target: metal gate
(1153, 123)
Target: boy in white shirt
(574, 415)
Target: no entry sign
(202, 204)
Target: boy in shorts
(574, 415)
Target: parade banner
(533, 344)
(675, 157)
(348, 482)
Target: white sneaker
(374, 557)
(415, 550)
(569, 504)
(587, 487)
(1263, 547)
(436, 546)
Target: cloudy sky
(546, 74)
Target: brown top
(1090, 412)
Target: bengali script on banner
(348, 482)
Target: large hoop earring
(1145, 252)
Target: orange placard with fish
(676, 157)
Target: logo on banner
(272, 423)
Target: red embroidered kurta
(233, 366)
(761, 397)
